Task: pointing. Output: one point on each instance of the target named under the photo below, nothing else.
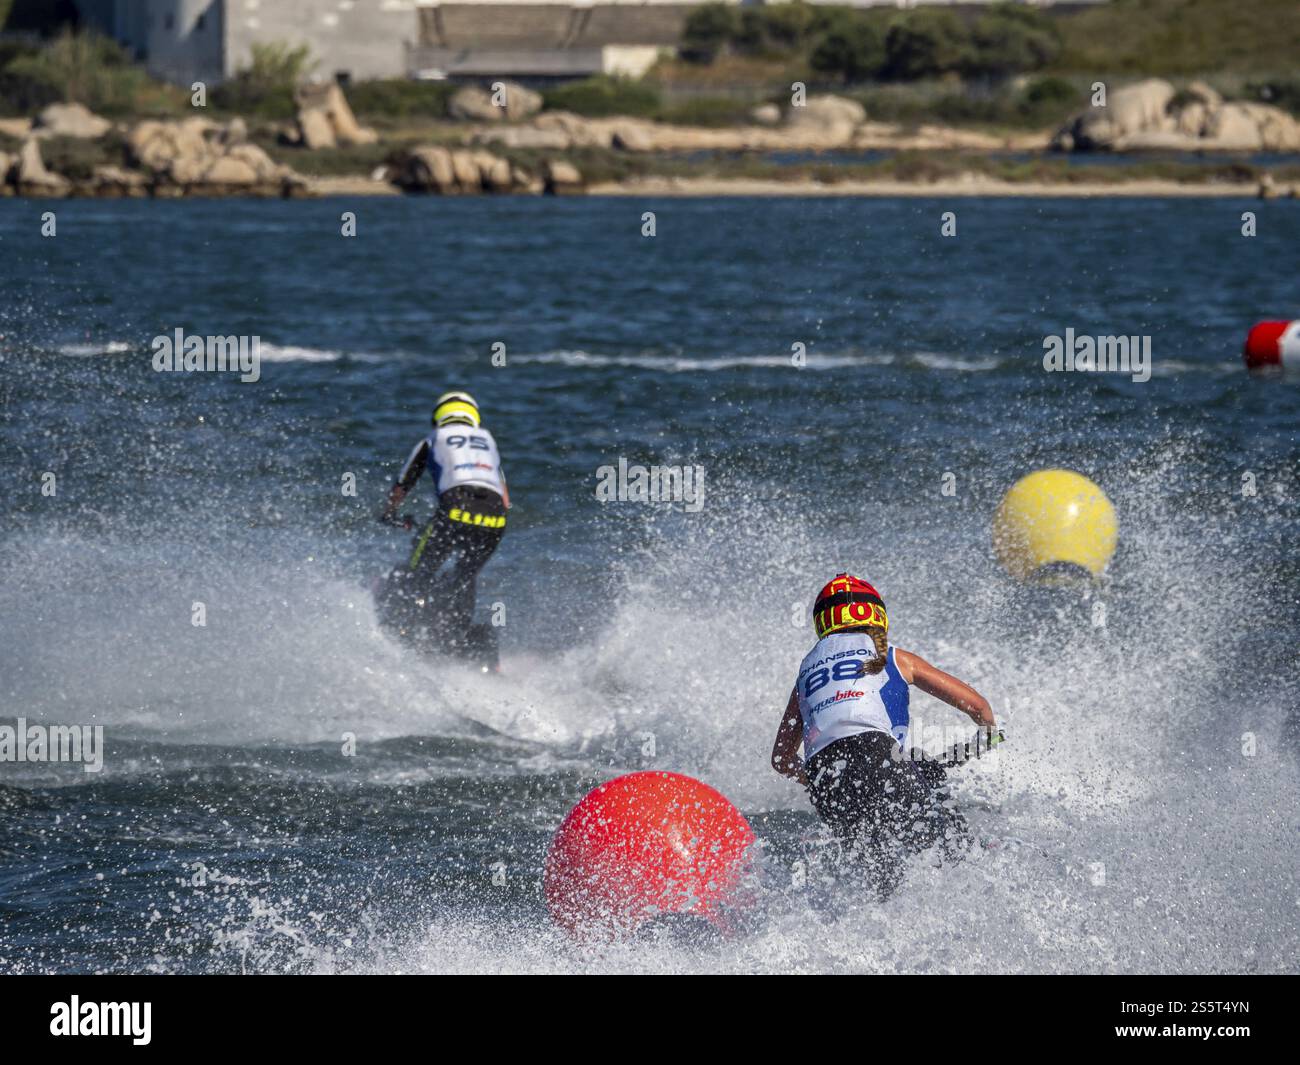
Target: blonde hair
(878, 637)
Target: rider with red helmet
(849, 707)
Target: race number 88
(849, 669)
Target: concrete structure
(178, 40)
(209, 40)
(545, 39)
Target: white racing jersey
(456, 455)
(834, 701)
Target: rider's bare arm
(785, 751)
(916, 670)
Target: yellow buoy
(1057, 519)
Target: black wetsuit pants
(466, 528)
(882, 805)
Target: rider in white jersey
(836, 699)
(850, 707)
(463, 461)
(455, 455)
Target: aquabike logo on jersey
(838, 697)
(75, 1017)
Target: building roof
(533, 27)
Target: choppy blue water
(227, 829)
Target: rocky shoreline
(479, 150)
(193, 157)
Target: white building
(208, 40)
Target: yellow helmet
(455, 407)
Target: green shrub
(1053, 91)
(77, 157)
(852, 49)
(1043, 102)
(778, 31)
(925, 44)
(20, 93)
(790, 26)
(1049, 101)
(331, 162)
(1046, 102)
(265, 87)
(750, 37)
(706, 111)
(602, 96)
(709, 29)
(400, 98)
(1009, 40)
(906, 105)
(962, 109)
(81, 67)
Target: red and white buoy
(1273, 344)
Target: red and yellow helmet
(847, 602)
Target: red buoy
(1273, 344)
(641, 846)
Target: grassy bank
(1168, 38)
(1007, 66)
(1243, 40)
(602, 166)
